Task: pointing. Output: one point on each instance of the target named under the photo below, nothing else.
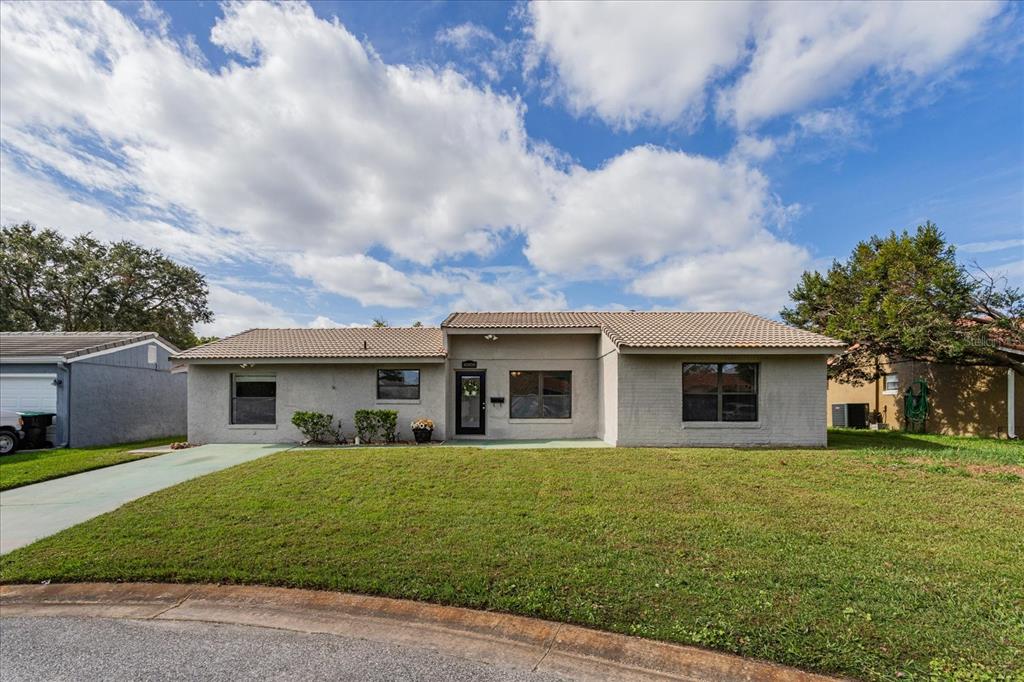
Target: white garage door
(25, 393)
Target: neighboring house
(968, 401)
(629, 378)
(105, 387)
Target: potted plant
(422, 429)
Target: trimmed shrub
(317, 427)
(374, 425)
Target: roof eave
(729, 350)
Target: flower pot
(422, 435)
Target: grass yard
(23, 468)
(885, 556)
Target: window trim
(720, 394)
(232, 397)
(419, 384)
(540, 388)
(885, 384)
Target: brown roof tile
(659, 329)
(341, 342)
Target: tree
(49, 283)
(905, 295)
(380, 322)
(417, 323)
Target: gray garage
(104, 387)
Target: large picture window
(720, 392)
(253, 399)
(540, 395)
(398, 384)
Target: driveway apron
(36, 511)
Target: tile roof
(659, 329)
(340, 342)
(66, 345)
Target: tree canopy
(50, 283)
(906, 295)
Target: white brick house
(631, 378)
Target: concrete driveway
(36, 511)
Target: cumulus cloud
(754, 276)
(633, 63)
(311, 142)
(648, 204)
(307, 152)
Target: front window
(892, 383)
(540, 395)
(398, 384)
(719, 392)
(253, 399)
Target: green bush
(317, 427)
(374, 425)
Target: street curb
(484, 636)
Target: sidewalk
(525, 643)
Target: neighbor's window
(253, 399)
(398, 384)
(540, 395)
(892, 383)
(719, 392)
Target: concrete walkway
(41, 509)
(511, 642)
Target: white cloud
(754, 276)
(315, 145)
(990, 246)
(646, 205)
(369, 281)
(235, 312)
(465, 36)
(632, 63)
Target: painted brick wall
(338, 389)
(791, 403)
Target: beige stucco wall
(608, 390)
(969, 401)
(338, 389)
(791, 402)
(574, 352)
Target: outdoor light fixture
(490, 337)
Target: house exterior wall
(965, 401)
(120, 397)
(608, 390)
(791, 400)
(57, 433)
(338, 389)
(574, 352)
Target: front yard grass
(874, 560)
(23, 468)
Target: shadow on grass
(861, 439)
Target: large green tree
(906, 295)
(50, 283)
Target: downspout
(1011, 408)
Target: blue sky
(330, 163)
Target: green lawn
(22, 468)
(886, 554)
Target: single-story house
(628, 378)
(104, 387)
(963, 401)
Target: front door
(469, 402)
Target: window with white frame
(253, 399)
(892, 384)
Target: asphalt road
(51, 648)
